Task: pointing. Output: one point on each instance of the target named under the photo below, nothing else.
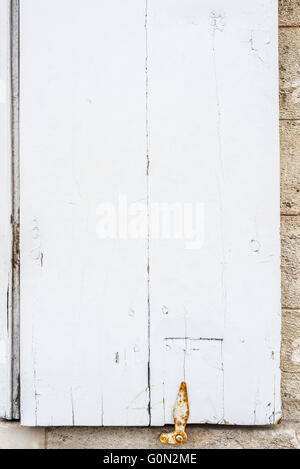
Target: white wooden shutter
(156, 102)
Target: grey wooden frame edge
(15, 61)
(10, 397)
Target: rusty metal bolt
(179, 438)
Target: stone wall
(287, 434)
(289, 67)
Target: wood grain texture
(15, 212)
(164, 102)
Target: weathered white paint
(191, 86)
(213, 114)
(5, 213)
(199, 362)
(84, 301)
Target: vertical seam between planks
(148, 202)
(216, 28)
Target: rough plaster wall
(286, 435)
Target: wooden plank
(9, 213)
(15, 215)
(199, 363)
(213, 126)
(5, 214)
(83, 144)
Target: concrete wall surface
(287, 434)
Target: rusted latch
(181, 415)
